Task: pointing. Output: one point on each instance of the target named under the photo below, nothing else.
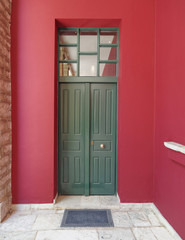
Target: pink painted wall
(170, 111)
(34, 93)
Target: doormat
(87, 218)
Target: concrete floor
(42, 221)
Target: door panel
(103, 134)
(101, 157)
(71, 139)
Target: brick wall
(5, 109)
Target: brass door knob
(102, 146)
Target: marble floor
(42, 222)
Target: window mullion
(117, 65)
(98, 52)
(78, 51)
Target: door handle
(102, 145)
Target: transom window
(88, 52)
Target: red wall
(170, 111)
(34, 93)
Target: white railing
(175, 146)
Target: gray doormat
(87, 218)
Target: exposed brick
(5, 86)
(5, 138)
(2, 126)
(9, 125)
(4, 161)
(5, 109)
(7, 149)
(5, 98)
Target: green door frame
(87, 136)
(99, 45)
(87, 80)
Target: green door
(103, 135)
(78, 104)
(71, 139)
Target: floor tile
(161, 233)
(18, 223)
(42, 206)
(45, 222)
(17, 235)
(121, 219)
(43, 211)
(90, 202)
(22, 212)
(109, 202)
(131, 206)
(21, 207)
(60, 211)
(42, 222)
(116, 234)
(139, 219)
(144, 234)
(64, 202)
(152, 217)
(88, 235)
(67, 235)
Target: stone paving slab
(67, 235)
(131, 221)
(116, 234)
(18, 235)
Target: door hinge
(92, 143)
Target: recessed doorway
(88, 74)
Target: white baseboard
(23, 207)
(165, 223)
(118, 197)
(55, 199)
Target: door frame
(87, 79)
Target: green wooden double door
(87, 139)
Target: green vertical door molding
(87, 132)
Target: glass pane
(108, 37)
(88, 65)
(88, 41)
(68, 37)
(68, 53)
(108, 53)
(107, 69)
(67, 69)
